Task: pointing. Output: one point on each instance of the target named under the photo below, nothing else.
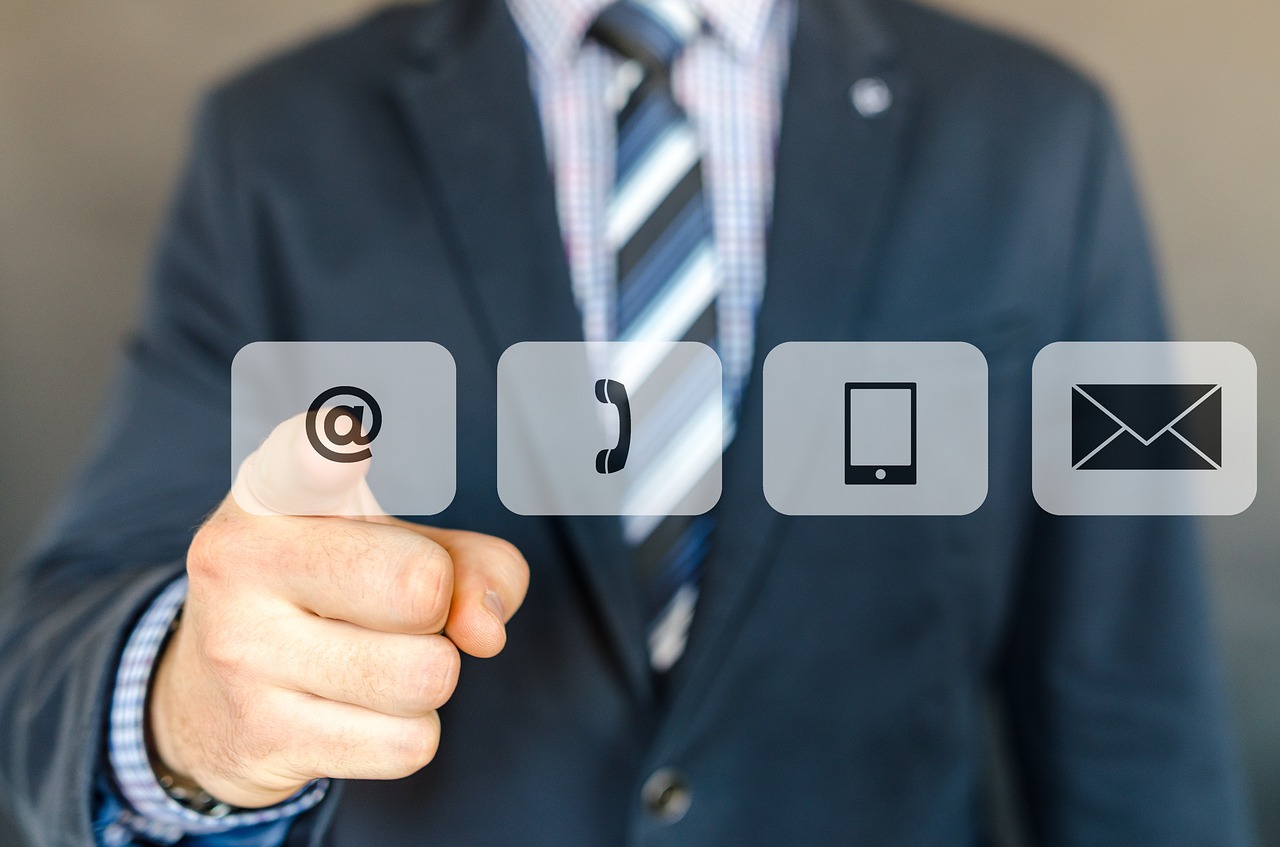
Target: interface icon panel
(875, 428)
(391, 404)
(1144, 428)
(610, 428)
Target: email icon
(1144, 428)
(1162, 427)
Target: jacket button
(666, 795)
(871, 97)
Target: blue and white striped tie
(659, 227)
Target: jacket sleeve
(1112, 686)
(158, 465)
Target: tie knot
(651, 32)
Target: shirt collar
(555, 29)
(740, 23)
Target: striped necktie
(658, 225)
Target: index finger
(286, 476)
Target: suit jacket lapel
(836, 170)
(467, 99)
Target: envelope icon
(1146, 427)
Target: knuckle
(415, 744)
(420, 585)
(223, 546)
(235, 646)
(429, 679)
(207, 554)
(222, 651)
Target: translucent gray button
(875, 428)
(618, 428)
(1144, 428)
(391, 403)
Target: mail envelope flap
(1202, 426)
(1145, 409)
(1090, 426)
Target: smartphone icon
(880, 433)
(614, 459)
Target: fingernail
(494, 604)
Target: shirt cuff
(148, 811)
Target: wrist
(160, 729)
(177, 783)
(179, 728)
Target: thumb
(286, 476)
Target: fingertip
(478, 630)
(286, 476)
(292, 475)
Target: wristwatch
(188, 794)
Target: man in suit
(867, 169)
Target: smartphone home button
(881, 474)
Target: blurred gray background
(95, 97)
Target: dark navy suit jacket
(390, 182)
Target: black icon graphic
(355, 433)
(880, 433)
(1146, 427)
(614, 459)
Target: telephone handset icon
(614, 459)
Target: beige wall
(94, 99)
